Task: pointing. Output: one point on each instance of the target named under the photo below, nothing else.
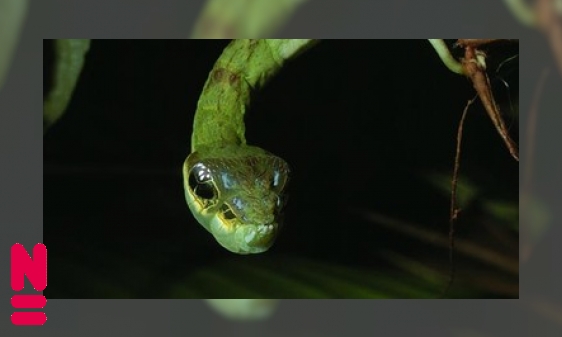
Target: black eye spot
(227, 212)
(205, 190)
(201, 182)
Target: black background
(360, 122)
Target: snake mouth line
(243, 238)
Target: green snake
(235, 190)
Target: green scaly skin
(235, 190)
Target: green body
(233, 189)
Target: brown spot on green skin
(245, 215)
(223, 75)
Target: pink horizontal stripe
(29, 318)
(29, 301)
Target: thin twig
(454, 207)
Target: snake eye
(200, 182)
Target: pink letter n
(36, 271)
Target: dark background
(360, 122)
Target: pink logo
(36, 271)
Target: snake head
(237, 193)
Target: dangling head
(237, 193)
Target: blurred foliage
(105, 286)
(12, 14)
(538, 217)
(69, 60)
(146, 274)
(244, 309)
(467, 191)
(504, 212)
(283, 277)
(243, 18)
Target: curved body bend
(235, 190)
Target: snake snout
(259, 235)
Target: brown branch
(475, 70)
(478, 42)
